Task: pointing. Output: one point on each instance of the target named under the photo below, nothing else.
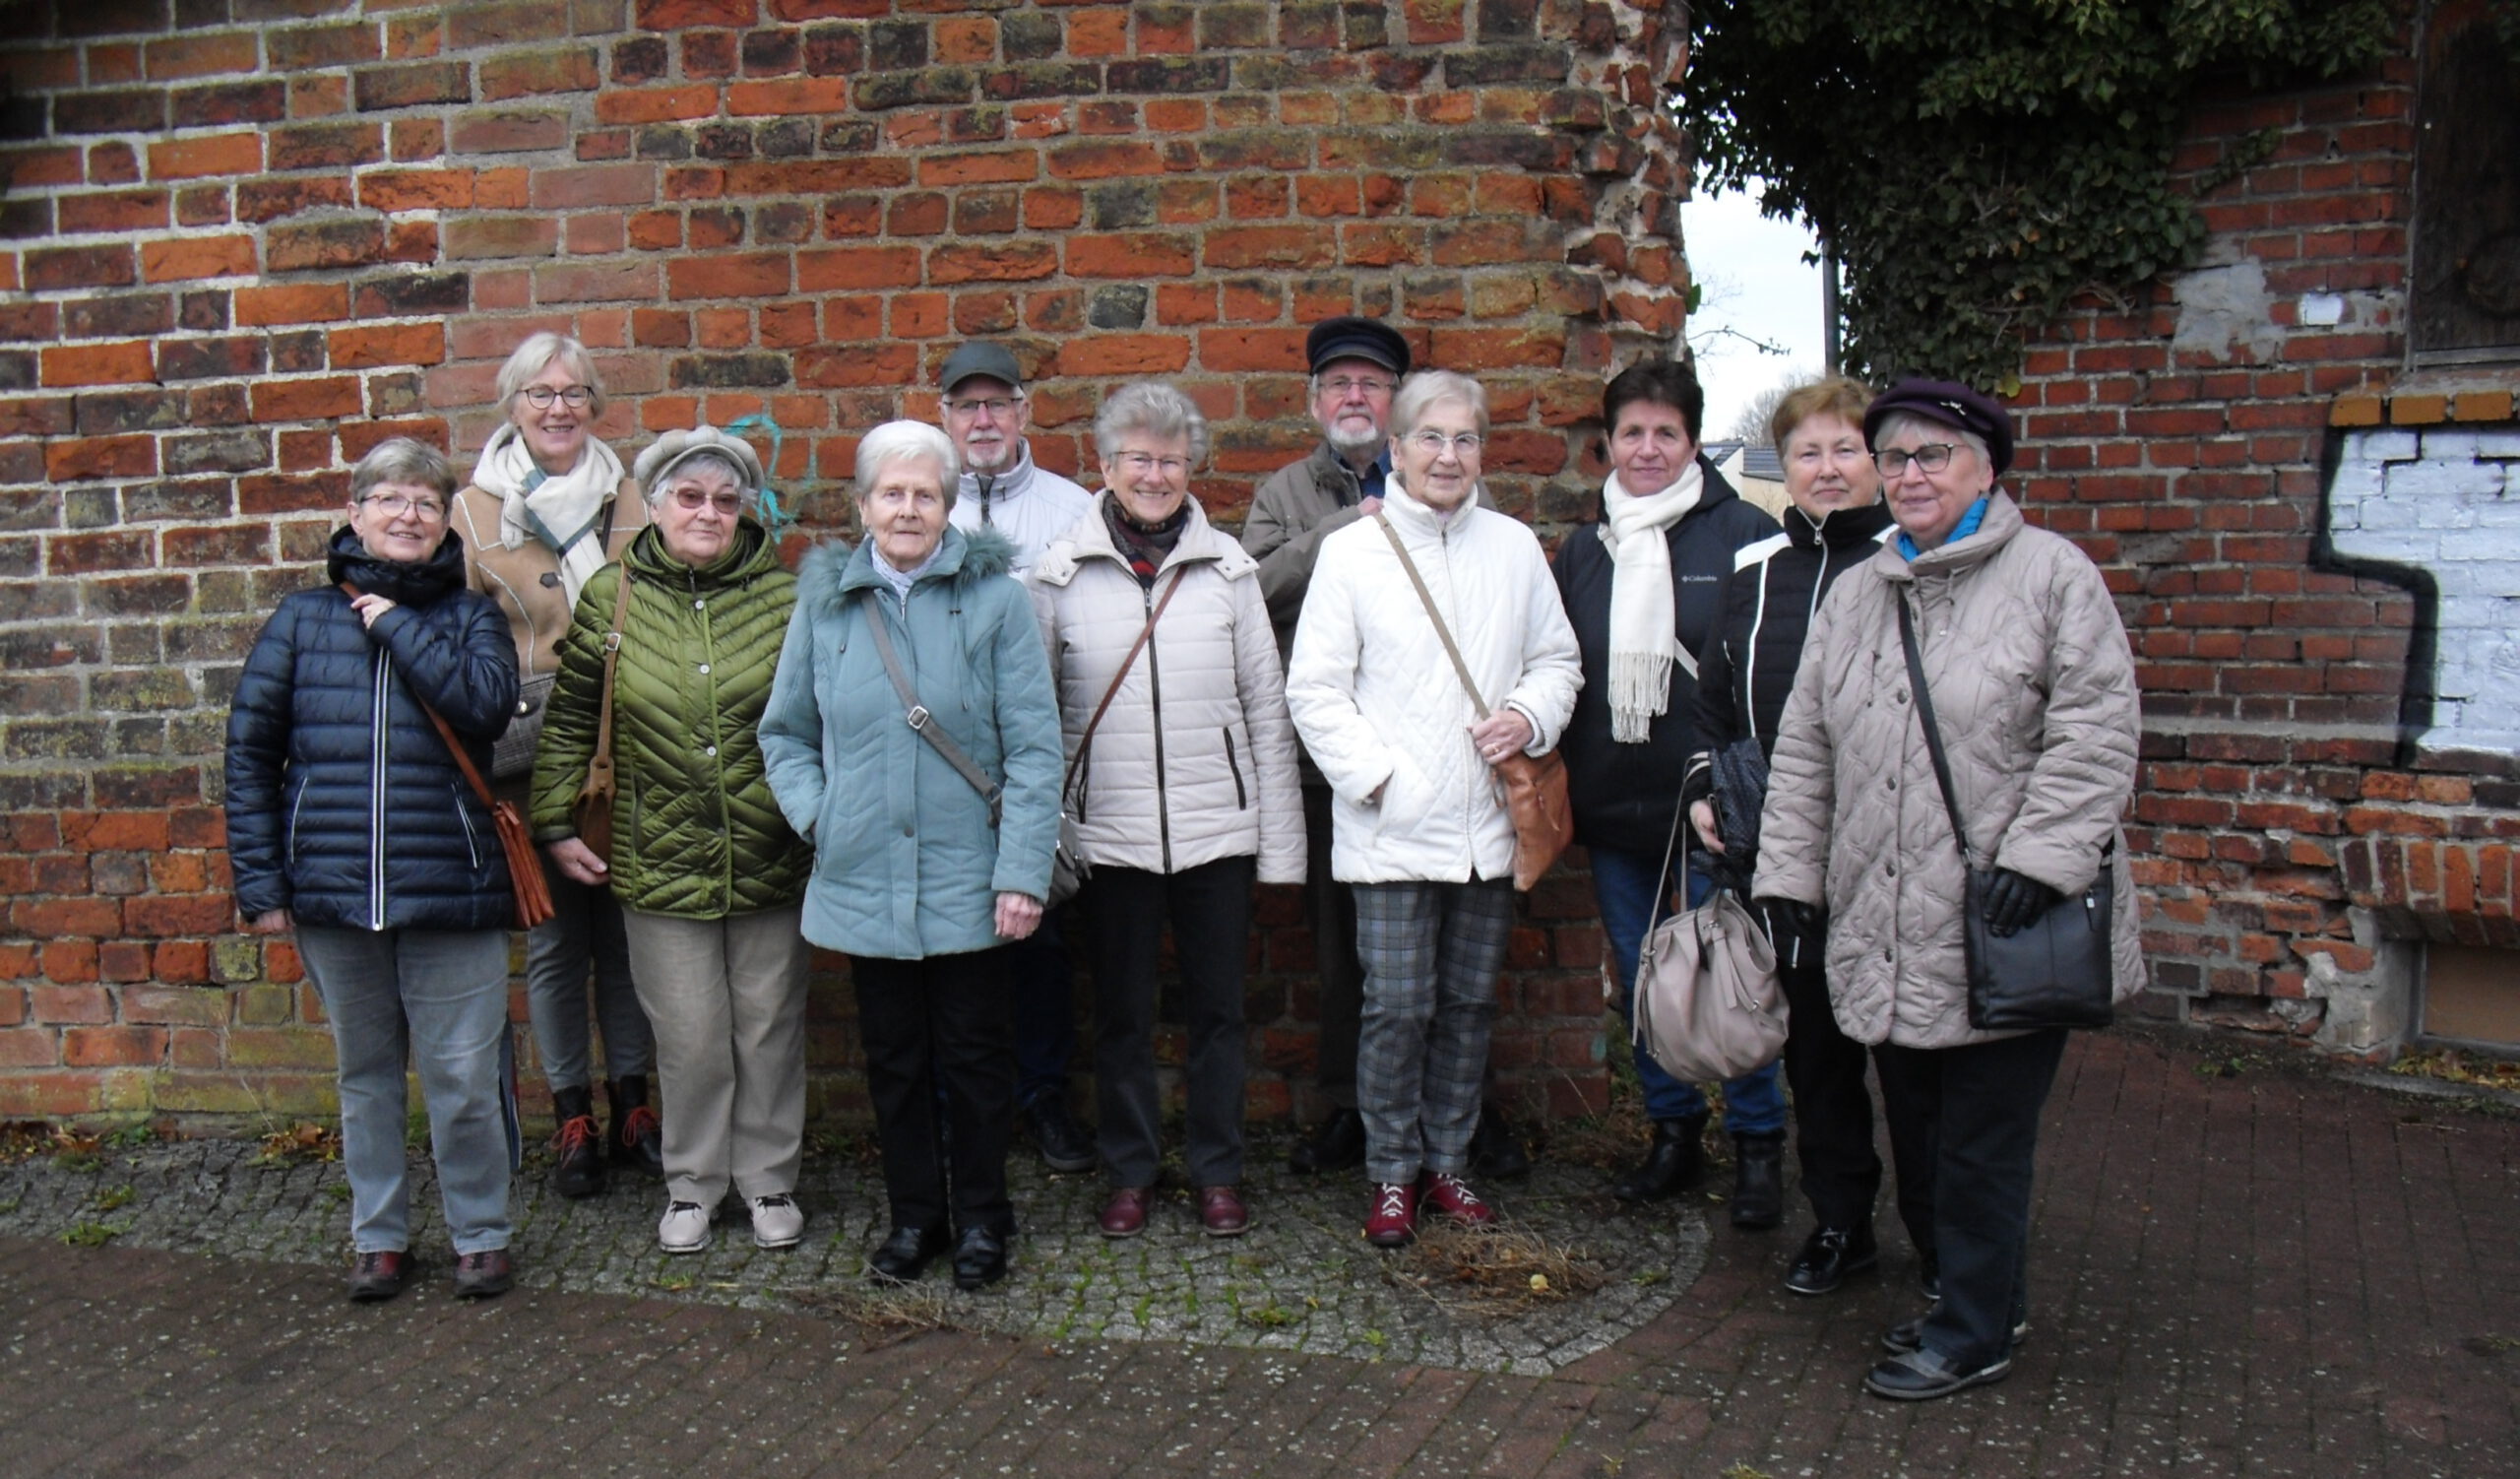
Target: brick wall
(243, 239)
(2304, 755)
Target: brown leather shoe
(379, 1275)
(1222, 1212)
(1125, 1215)
(483, 1275)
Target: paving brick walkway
(2267, 1271)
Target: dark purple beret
(1951, 405)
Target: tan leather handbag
(1533, 787)
(1708, 1004)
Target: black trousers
(1210, 910)
(943, 1024)
(1330, 908)
(1980, 1106)
(1833, 1116)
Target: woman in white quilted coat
(1183, 788)
(2034, 695)
(1417, 827)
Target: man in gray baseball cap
(985, 413)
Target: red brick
(202, 158)
(125, 363)
(753, 274)
(368, 346)
(1124, 354)
(63, 267)
(528, 73)
(788, 97)
(72, 1003)
(190, 257)
(305, 400)
(100, 457)
(301, 303)
(655, 105)
(416, 189)
(1134, 256)
(112, 1046)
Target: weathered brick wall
(2291, 789)
(243, 239)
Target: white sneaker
(777, 1221)
(684, 1229)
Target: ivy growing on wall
(1976, 164)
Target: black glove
(1788, 917)
(2014, 900)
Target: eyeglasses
(1347, 385)
(541, 396)
(691, 500)
(1142, 463)
(995, 406)
(396, 505)
(1435, 443)
(1934, 457)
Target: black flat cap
(979, 358)
(1355, 338)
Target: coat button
(1892, 870)
(711, 750)
(704, 668)
(550, 580)
(700, 605)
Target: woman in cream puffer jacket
(1184, 790)
(2033, 689)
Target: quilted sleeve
(1796, 826)
(2086, 767)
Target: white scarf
(1644, 607)
(561, 511)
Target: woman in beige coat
(2033, 696)
(1184, 788)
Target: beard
(1350, 444)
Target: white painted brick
(2443, 479)
(2450, 444)
(2382, 446)
(2498, 444)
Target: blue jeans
(1623, 886)
(442, 995)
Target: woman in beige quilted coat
(1184, 790)
(2033, 693)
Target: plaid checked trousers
(1430, 952)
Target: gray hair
(1154, 408)
(655, 489)
(536, 354)
(399, 459)
(898, 442)
(1898, 422)
(1425, 390)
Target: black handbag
(2055, 971)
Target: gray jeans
(441, 996)
(1431, 952)
(727, 999)
(585, 928)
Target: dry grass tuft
(1492, 1272)
(883, 1314)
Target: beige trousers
(726, 998)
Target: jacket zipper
(1241, 802)
(295, 807)
(380, 727)
(1155, 687)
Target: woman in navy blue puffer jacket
(348, 822)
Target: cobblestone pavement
(2239, 1267)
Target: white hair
(896, 441)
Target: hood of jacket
(2002, 522)
(403, 582)
(832, 574)
(752, 554)
(1090, 538)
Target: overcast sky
(1756, 282)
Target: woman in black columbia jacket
(349, 823)
(1746, 668)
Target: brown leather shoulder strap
(611, 664)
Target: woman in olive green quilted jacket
(710, 876)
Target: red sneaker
(1447, 1193)
(1392, 1218)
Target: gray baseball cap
(979, 358)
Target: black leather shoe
(1920, 1375)
(1929, 1275)
(980, 1258)
(637, 1138)
(576, 1149)
(1063, 1144)
(1675, 1163)
(1338, 1143)
(1828, 1256)
(1759, 1180)
(1495, 1149)
(905, 1255)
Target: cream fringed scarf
(562, 512)
(1644, 607)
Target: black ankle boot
(577, 1150)
(1674, 1164)
(1759, 1180)
(638, 1136)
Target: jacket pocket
(1241, 799)
(296, 804)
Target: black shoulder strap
(1924, 716)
